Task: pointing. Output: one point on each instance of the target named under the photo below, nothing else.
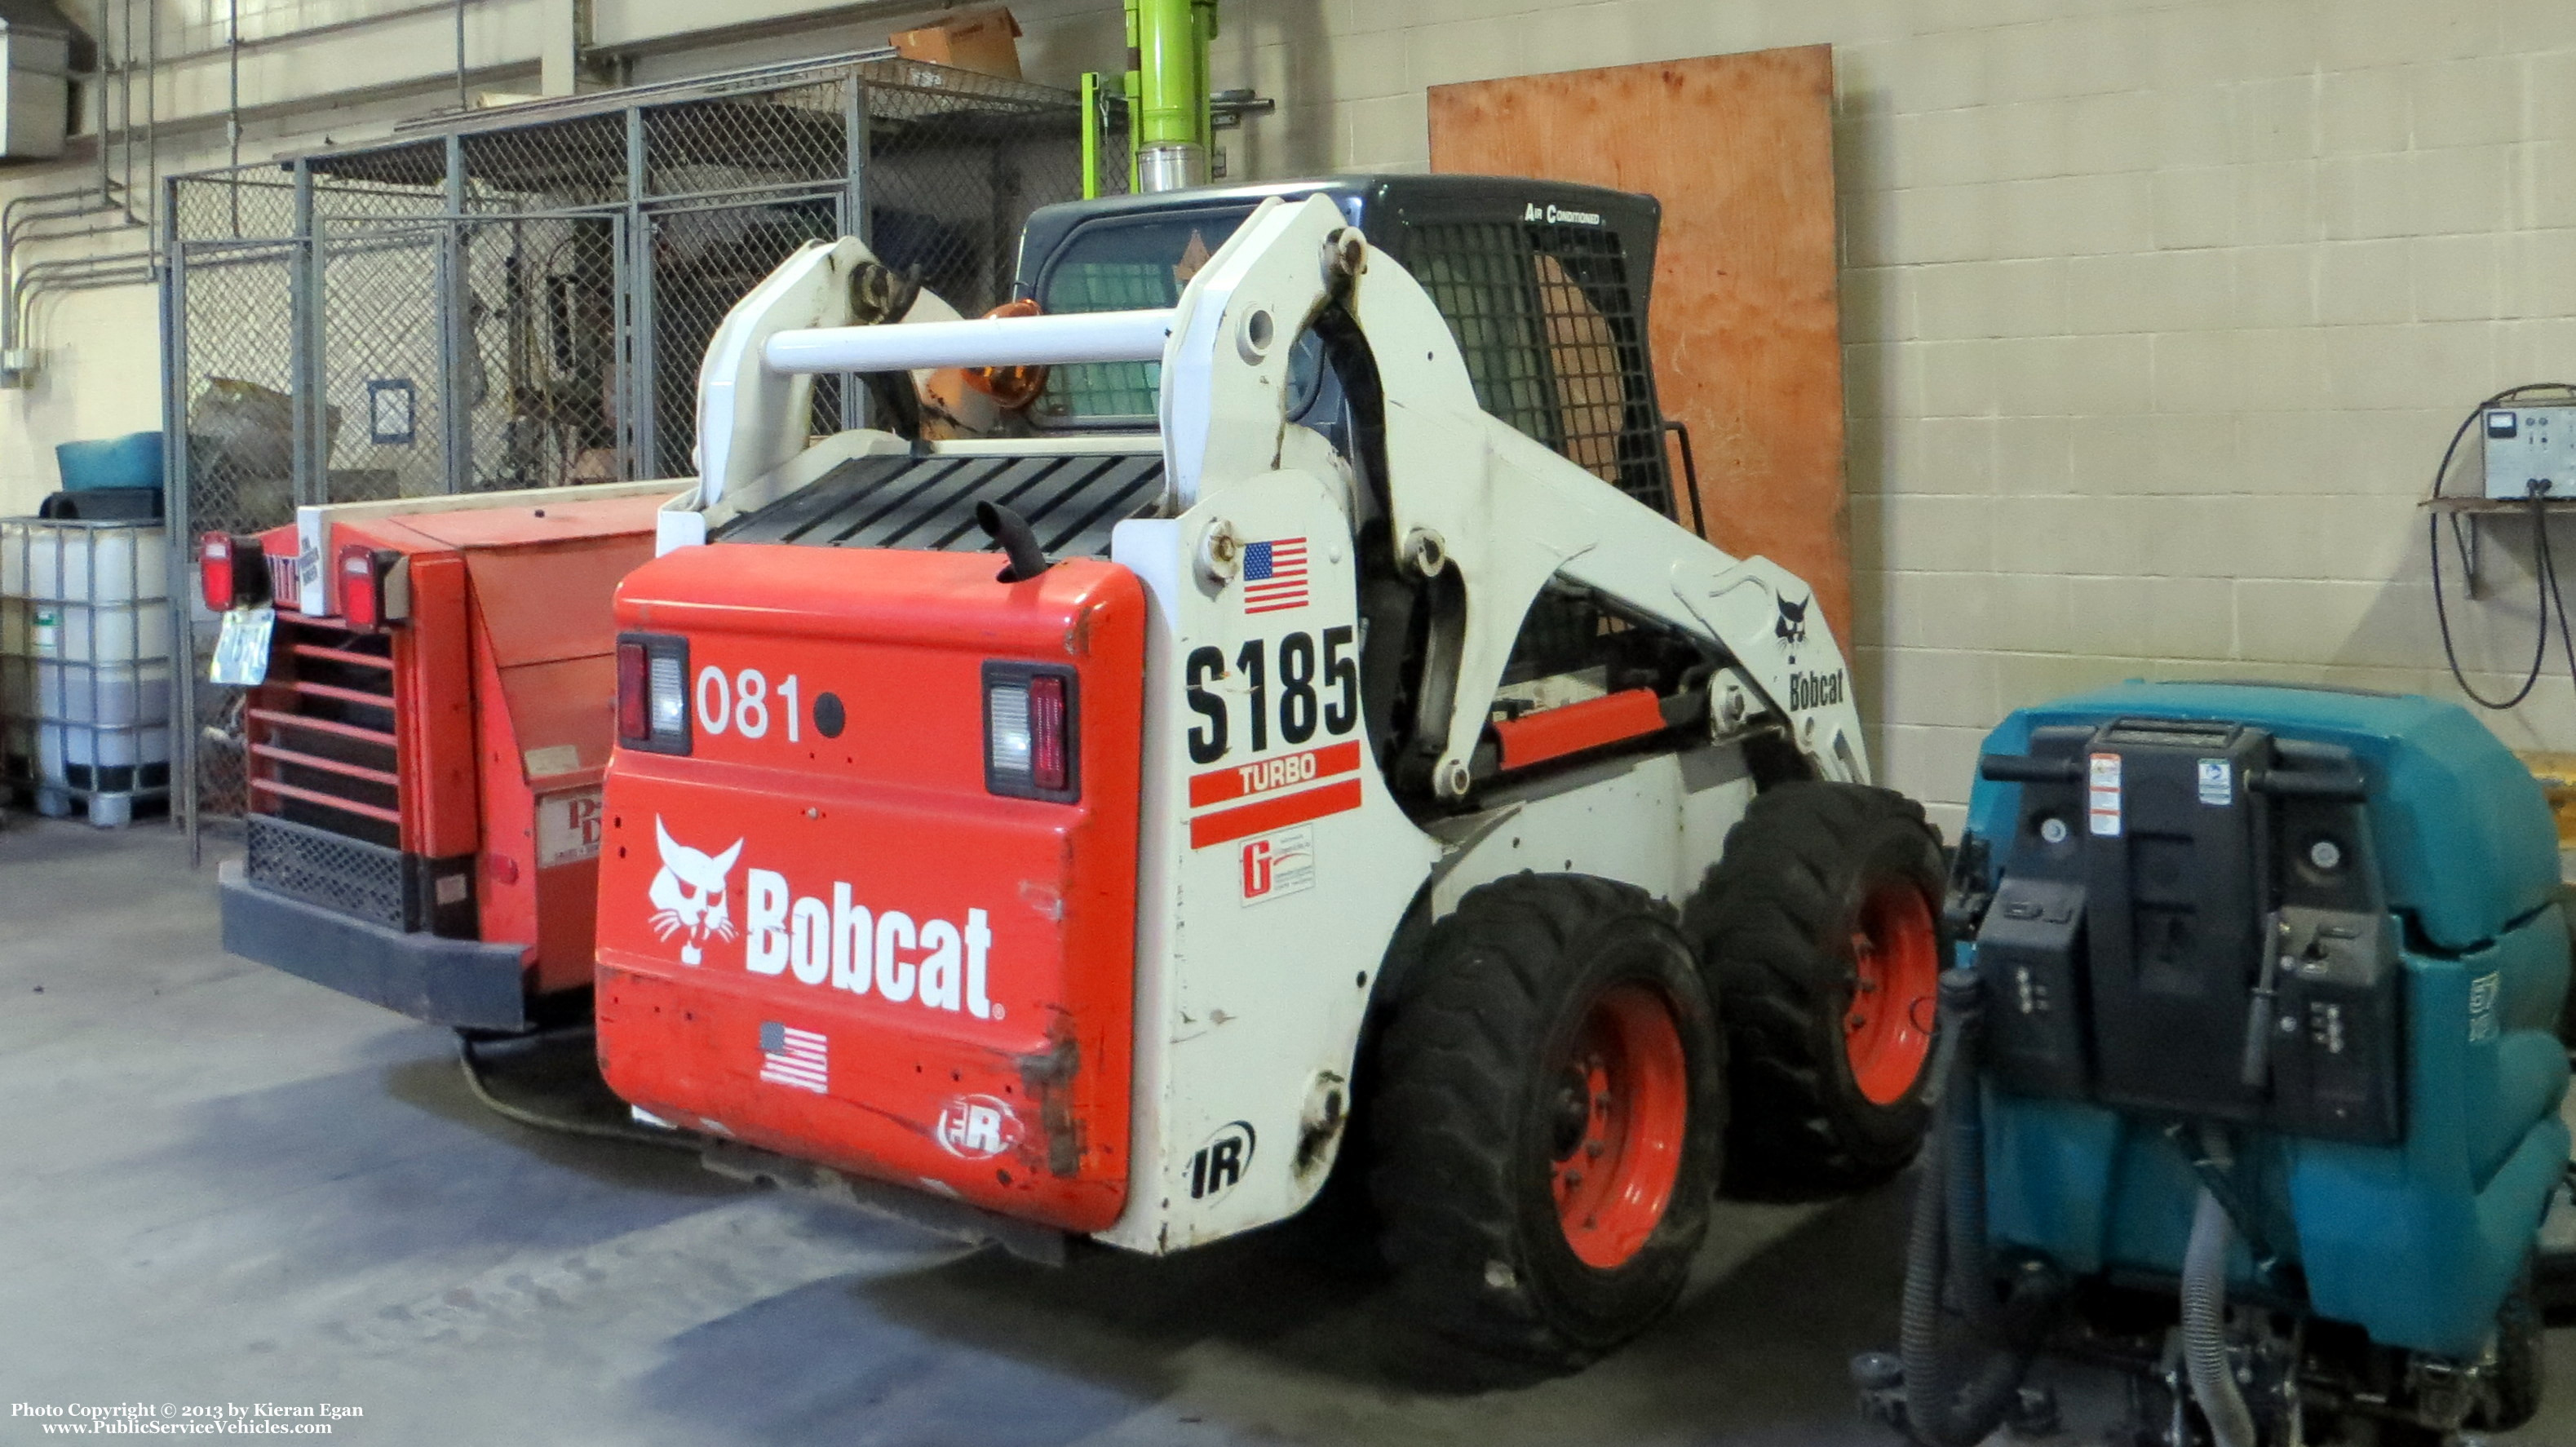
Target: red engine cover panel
(845, 947)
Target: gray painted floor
(226, 1186)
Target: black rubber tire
(2513, 1398)
(2365, 1432)
(1773, 924)
(1463, 1119)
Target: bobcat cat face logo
(1792, 627)
(688, 895)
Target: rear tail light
(231, 572)
(372, 587)
(653, 692)
(1046, 732)
(631, 712)
(1031, 732)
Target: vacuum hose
(2204, 1315)
(1949, 1403)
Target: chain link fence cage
(520, 298)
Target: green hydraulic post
(1167, 91)
(1090, 134)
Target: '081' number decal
(742, 703)
(1310, 690)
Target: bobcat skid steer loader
(1346, 740)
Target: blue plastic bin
(133, 460)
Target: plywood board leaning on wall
(1746, 334)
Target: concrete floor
(226, 1186)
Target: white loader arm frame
(753, 420)
(1465, 491)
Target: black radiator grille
(348, 876)
(1071, 502)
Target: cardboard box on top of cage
(983, 38)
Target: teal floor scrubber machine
(2248, 1085)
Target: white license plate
(241, 652)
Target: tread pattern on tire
(1763, 920)
(1444, 1119)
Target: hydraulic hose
(1948, 1402)
(561, 1124)
(2204, 1315)
(1928, 1388)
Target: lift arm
(1465, 491)
(753, 419)
(1468, 491)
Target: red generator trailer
(430, 688)
(427, 718)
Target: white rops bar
(1043, 341)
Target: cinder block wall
(102, 378)
(2157, 316)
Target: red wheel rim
(1623, 1106)
(1896, 960)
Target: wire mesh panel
(955, 164)
(795, 137)
(704, 259)
(350, 876)
(383, 406)
(1554, 344)
(557, 165)
(541, 388)
(522, 298)
(233, 205)
(236, 370)
(384, 183)
(233, 365)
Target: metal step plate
(1071, 502)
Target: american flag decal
(790, 1056)
(1274, 575)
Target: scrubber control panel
(2190, 923)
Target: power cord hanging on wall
(2546, 564)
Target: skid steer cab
(2251, 1088)
(1308, 733)
(423, 731)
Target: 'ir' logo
(1220, 1163)
(977, 1126)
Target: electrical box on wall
(2531, 448)
(35, 79)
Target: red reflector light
(215, 571)
(231, 571)
(361, 600)
(1047, 732)
(1032, 732)
(652, 693)
(632, 724)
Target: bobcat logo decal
(1792, 627)
(689, 894)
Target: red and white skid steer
(1349, 734)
